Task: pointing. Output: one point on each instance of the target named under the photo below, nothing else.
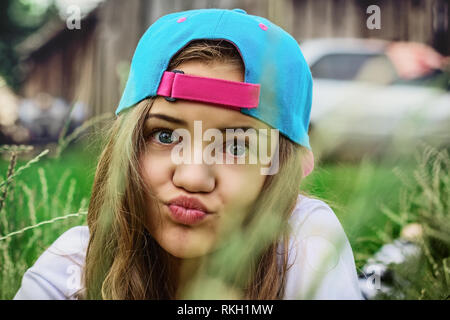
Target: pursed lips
(189, 203)
(187, 210)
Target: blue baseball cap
(272, 59)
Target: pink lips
(187, 210)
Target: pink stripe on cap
(210, 90)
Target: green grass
(48, 189)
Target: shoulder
(56, 274)
(315, 217)
(320, 255)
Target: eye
(164, 136)
(236, 149)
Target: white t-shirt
(319, 269)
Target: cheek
(240, 185)
(155, 170)
(156, 174)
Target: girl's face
(226, 192)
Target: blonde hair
(123, 261)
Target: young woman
(196, 195)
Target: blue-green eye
(236, 149)
(163, 136)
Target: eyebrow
(184, 123)
(166, 118)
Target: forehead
(212, 116)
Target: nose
(194, 177)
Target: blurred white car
(370, 94)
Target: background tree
(18, 19)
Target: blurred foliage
(45, 193)
(425, 201)
(18, 19)
(52, 189)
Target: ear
(308, 163)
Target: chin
(187, 252)
(186, 246)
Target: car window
(348, 66)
